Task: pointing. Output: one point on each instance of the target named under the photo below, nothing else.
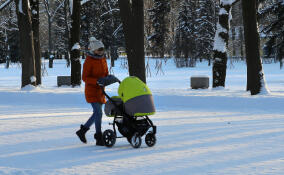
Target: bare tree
(132, 15)
(26, 43)
(35, 27)
(221, 43)
(75, 39)
(255, 76)
(50, 17)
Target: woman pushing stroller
(94, 68)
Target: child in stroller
(130, 111)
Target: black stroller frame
(132, 127)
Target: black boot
(99, 139)
(81, 133)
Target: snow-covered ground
(220, 132)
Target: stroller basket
(111, 110)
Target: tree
(9, 34)
(75, 8)
(111, 32)
(274, 28)
(101, 19)
(158, 15)
(49, 17)
(185, 45)
(221, 44)
(205, 29)
(132, 15)
(51, 13)
(62, 30)
(255, 76)
(26, 43)
(35, 27)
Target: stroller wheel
(109, 138)
(136, 140)
(150, 139)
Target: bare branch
(5, 4)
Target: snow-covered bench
(199, 81)
(63, 81)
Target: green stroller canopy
(136, 97)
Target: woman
(95, 67)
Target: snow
(227, 2)
(222, 11)
(216, 131)
(34, 12)
(84, 1)
(76, 46)
(21, 6)
(4, 4)
(33, 79)
(71, 6)
(29, 88)
(219, 43)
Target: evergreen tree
(185, 44)
(274, 30)
(101, 19)
(111, 29)
(159, 14)
(90, 21)
(9, 34)
(205, 29)
(62, 29)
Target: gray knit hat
(94, 44)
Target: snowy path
(200, 132)
(189, 142)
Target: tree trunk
(254, 67)
(132, 15)
(220, 50)
(35, 27)
(50, 58)
(26, 44)
(75, 38)
(66, 33)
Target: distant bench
(197, 82)
(63, 81)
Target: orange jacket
(93, 69)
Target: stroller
(130, 111)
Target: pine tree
(185, 45)
(205, 29)
(111, 29)
(62, 30)
(101, 19)
(9, 34)
(274, 30)
(158, 14)
(90, 21)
